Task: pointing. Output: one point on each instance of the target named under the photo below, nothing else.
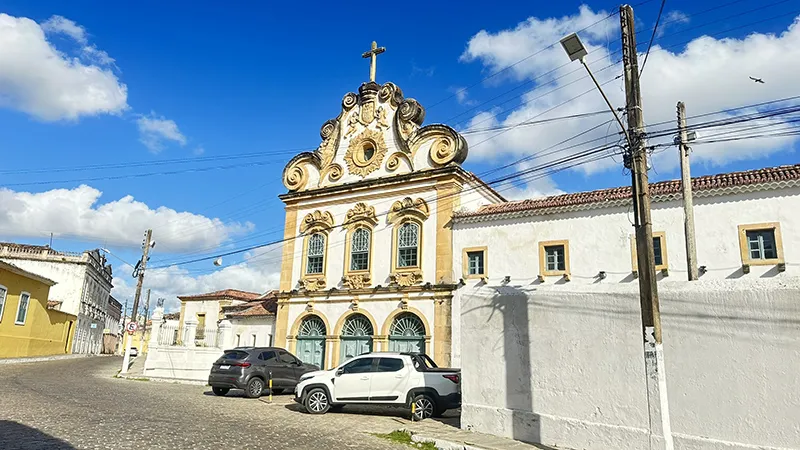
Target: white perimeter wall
(262, 327)
(564, 365)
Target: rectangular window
(659, 258)
(316, 254)
(475, 263)
(407, 257)
(253, 340)
(3, 292)
(761, 244)
(554, 258)
(22, 309)
(359, 261)
(389, 365)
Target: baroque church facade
(368, 252)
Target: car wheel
(220, 391)
(277, 391)
(317, 401)
(424, 407)
(254, 388)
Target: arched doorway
(407, 334)
(356, 337)
(311, 341)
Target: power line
(652, 37)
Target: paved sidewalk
(451, 438)
(42, 358)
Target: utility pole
(147, 307)
(648, 289)
(686, 184)
(138, 272)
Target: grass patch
(404, 437)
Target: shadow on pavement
(451, 417)
(15, 435)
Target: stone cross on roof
(373, 55)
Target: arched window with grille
(407, 334)
(315, 257)
(311, 341)
(408, 245)
(356, 338)
(359, 250)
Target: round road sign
(132, 327)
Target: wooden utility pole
(648, 287)
(139, 273)
(142, 266)
(688, 207)
(147, 308)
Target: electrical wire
(652, 37)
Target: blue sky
(209, 80)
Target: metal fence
(174, 335)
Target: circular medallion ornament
(365, 153)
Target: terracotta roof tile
(750, 177)
(233, 294)
(53, 303)
(264, 307)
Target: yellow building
(27, 326)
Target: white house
(551, 308)
(253, 323)
(205, 310)
(373, 269)
(83, 289)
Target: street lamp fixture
(576, 51)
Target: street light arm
(608, 102)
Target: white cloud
(462, 96)
(77, 213)
(62, 25)
(708, 74)
(259, 272)
(155, 131)
(41, 81)
(199, 150)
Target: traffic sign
(132, 327)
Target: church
(368, 251)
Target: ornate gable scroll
(317, 220)
(359, 214)
(377, 133)
(408, 207)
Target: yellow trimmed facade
(27, 327)
(405, 196)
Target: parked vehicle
(134, 352)
(250, 368)
(400, 379)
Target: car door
(352, 382)
(287, 365)
(388, 380)
(269, 361)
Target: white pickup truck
(402, 379)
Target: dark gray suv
(250, 368)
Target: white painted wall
(210, 308)
(600, 239)
(262, 327)
(180, 363)
(69, 277)
(563, 365)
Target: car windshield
(234, 354)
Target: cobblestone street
(78, 403)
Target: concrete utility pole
(688, 207)
(139, 273)
(648, 289)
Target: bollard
(270, 386)
(413, 409)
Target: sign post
(126, 360)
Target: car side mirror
(339, 372)
(298, 362)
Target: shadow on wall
(513, 305)
(17, 435)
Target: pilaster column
(190, 332)
(225, 329)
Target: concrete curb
(44, 358)
(442, 444)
